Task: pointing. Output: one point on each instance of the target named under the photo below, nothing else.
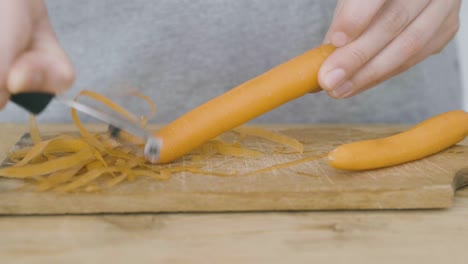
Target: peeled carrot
(426, 138)
(251, 99)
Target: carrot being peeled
(92, 162)
(243, 103)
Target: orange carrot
(426, 138)
(270, 90)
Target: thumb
(44, 67)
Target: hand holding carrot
(31, 58)
(378, 39)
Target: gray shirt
(182, 53)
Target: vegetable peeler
(36, 102)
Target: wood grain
(428, 183)
(409, 236)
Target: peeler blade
(152, 146)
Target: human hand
(31, 58)
(378, 39)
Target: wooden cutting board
(427, 183)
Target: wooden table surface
(414, 236)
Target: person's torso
(183, 53)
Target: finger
(37, 71)
(4, 98)
(426, 34)
(14, 30)
(344, 62)
(44, 68)
(433, 47)
(445, 34)
(351, 18)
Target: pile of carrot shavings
(94, 162)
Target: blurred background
(462, 41)
(183, 53)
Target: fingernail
(343, 90)
(339, 39)
(333, 78)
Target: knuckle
(403, 67)
(395, 19)
(450, 33)
(455, 27)
(413, 43)
(368, 77)
(438, 50)
(453, 24)
(358, 56)
(351, 23)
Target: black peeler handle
(34, 102)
